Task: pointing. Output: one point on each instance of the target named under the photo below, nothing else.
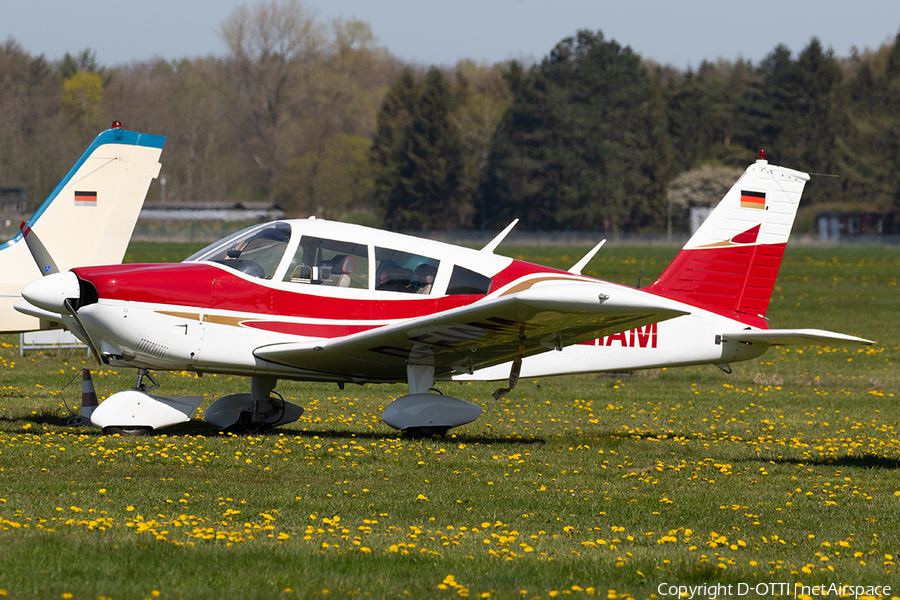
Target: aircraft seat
(397, 279)
(423, 277)
(341, 268)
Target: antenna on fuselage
(492, 245)
(641, 274)
(577, 267)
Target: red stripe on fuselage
(210, 287)
(317, 330)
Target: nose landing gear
(135, 412)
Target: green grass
(784, 471)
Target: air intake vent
(152, 348)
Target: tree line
(320, 119)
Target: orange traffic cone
(88, 396)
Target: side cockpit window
(463, 281)
(327, 262)
(398, 271)
(256, 251)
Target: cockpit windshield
(256, 251)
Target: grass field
(784, 472)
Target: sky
(682, 33)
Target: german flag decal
(90, 199)
(753, 199)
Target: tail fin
(86, 220)
(730, 264)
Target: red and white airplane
(314, 300)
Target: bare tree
(274, 47)
(703, 186)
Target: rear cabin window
(463, 281)
(398, 271)
(327, 262)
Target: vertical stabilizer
(87, 219)
(730, 264)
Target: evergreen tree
(690, 103)
(870, 157)
(890, 119)
(516, 77)
(421, 186)
(762, 109)
(86, 61)
(797, 117)
(704, 119)
(810, 127)
(393, 125)
(584, 144)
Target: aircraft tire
(425, 432)
(127, 431)
(245, 424)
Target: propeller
(39, 252)
(87, 336)
(58, 293)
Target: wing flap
(489, 332)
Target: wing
(496, 330)
(793, 337)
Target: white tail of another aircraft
(86, 220)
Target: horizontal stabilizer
(794, 337)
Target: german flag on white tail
(753, 199)
(85, 198)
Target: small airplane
(101, 195)
(315, 300)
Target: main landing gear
(420, 414)
(255, 412)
